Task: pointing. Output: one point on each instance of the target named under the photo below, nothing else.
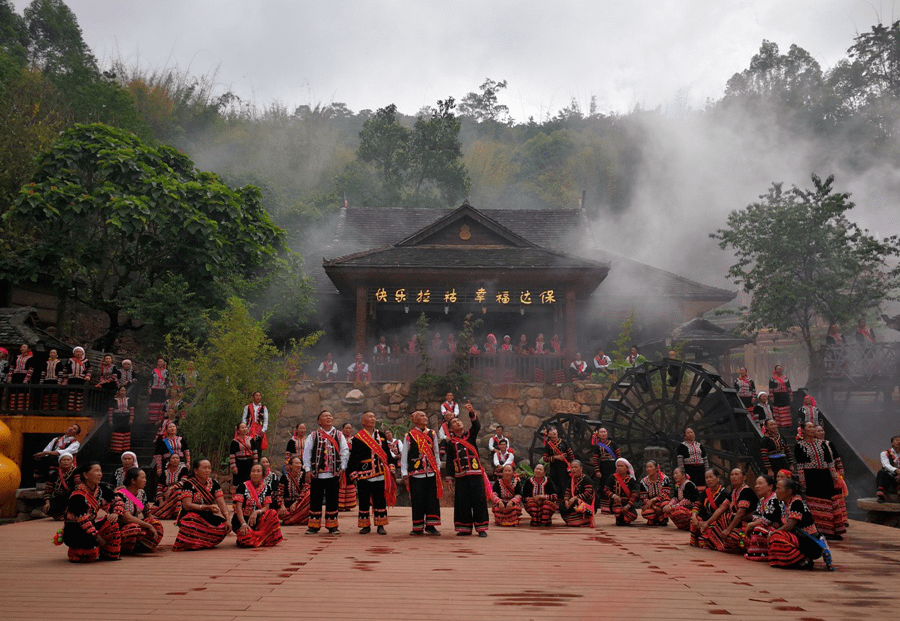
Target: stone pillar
(361, 304)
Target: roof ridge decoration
(467, 211)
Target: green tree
(237, 359)
(108, 217)
(485, 105)
(384, 143)
(801, 258)
(13, 33)
(436, 155)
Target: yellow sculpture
(10, 475)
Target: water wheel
(576, 429)
(651, 405)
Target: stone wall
(520, 408)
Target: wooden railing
(857, 361)
(51, 400)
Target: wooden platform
(608, 572)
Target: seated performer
(359, 370)
(328, 369)
(168, 445)
(601, 362)
(382, 352)
(129, 461)
(420, 465)
(507, 498)
(729, 519)
(622, 493)
(92, 529)
(604, 453)
(502, 457)
(325, 455)
(371, 466)
(203, 521)
(292, 497)
(765, 519)
(140, 533)
(540, 498)
(888, 478)
(577, 506)
(167, 504)
(65, 444)
(711, 498)
(59, 487)
(471, 485)
(506, 347)
(539, 346)
(254, 521)
(789, 548)
(680, 507)
(579, 368)
(495, 439)
(522, 347)
(294, 446)
(656, 490)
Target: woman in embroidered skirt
(347, 492)
(203, 521)
(766, 518)
(841, 487)
(160, 383)
(140, 533)
(726, 524)
(507, 498)
(681, 505)
(710, 500)
(243, 454)
(62, 482)
(577, 507)
(121, 418)
(622, 493)
(91, 530)
(168, 489)
(541, 501)
(254, 521)
(820, 478)
(292, 497)
(656, 490)
(781, 395)
(788, 548)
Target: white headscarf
(81, 349)
(627, 463)
(134, 456)
(761, 393)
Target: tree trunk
(107, 341)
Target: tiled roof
(491, 258)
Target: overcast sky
(369, 54)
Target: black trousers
(469, 504)
(426, 509)
(371, 494)
(886, 482)
(327, 490)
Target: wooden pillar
(571, 324)
(361, 319)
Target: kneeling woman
(622, 491)
(540, 498)
(714, 496)
(766, 519)
(507, 498)
(203, 521)
(254, 522)
(292, 497)
(140, 532)
(729, 519)
(168, 489)
(59, 487)
(655, 493)
(577, 507)
(788, 546)
(681, 505)
(92, 529)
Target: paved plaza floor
(607, 572)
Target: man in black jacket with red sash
(371, 465)
(472, 485)
(420, 465)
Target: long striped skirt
(624, 516)
(825, 502)
(681, 518)
(758, 544)
(266, 532)
(298, 513)
(508, 516)
(168, 503)
(784, 549)
(732, 543)
(711, 537)
(75, 396)
(782, 416)
(541, 512)
(84, 549)
(199, 531)
(136, 540)
(346, 495)
(157, 406)
(655, 516)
